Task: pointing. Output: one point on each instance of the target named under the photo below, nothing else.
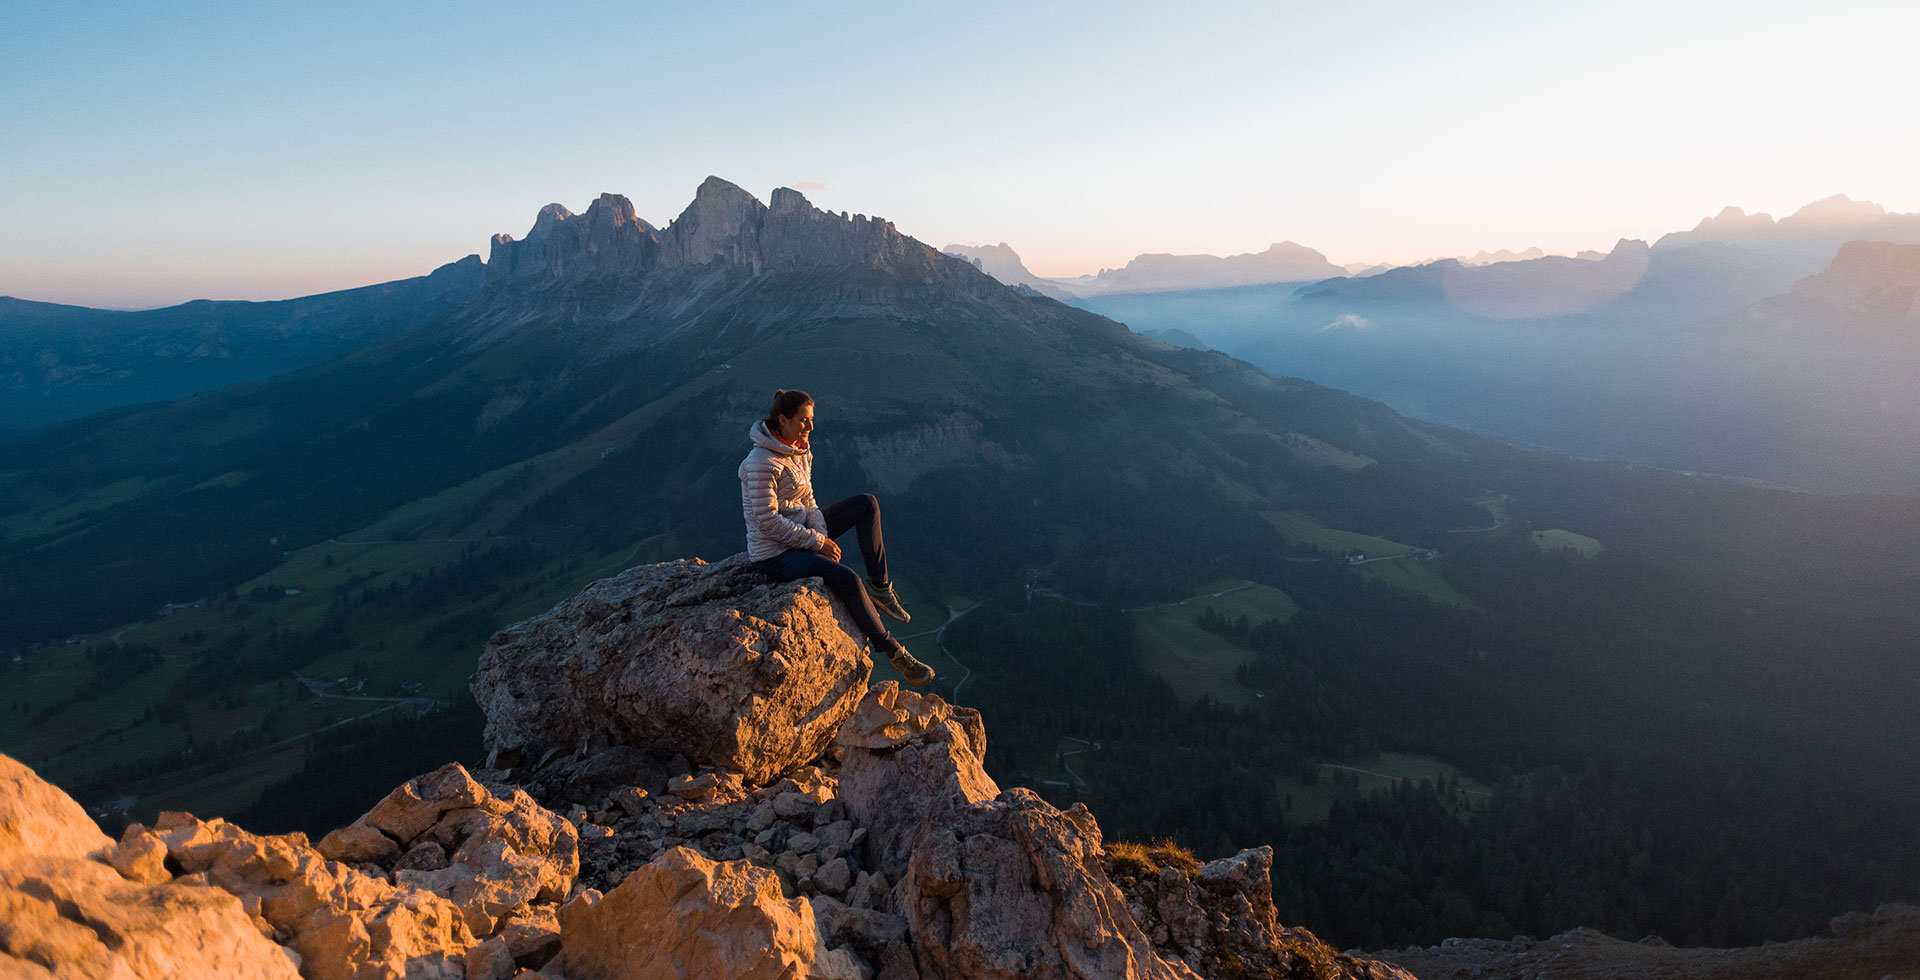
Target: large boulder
(714, 662)
(66, 912)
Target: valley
(1463, 688)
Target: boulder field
(688, 776)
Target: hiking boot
(885, 601)
(915, 672)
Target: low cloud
(809, 185)
(1348, 321)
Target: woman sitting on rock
(789, 536)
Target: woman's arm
(761, 504)
(815, 517)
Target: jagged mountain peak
(1819, 226)
(724, 226)
(1836, 214)
(549, 216)
(613, 207)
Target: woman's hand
(830, 551)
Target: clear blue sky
(258, 150)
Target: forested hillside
(1463, 689)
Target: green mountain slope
(59, 363)
(340, 540)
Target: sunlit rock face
(716, 663)
(74, 905)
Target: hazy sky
(253, 150)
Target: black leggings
(862, 514)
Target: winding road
(939, 635)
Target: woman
(790, 537)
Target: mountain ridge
(59, 362)
(369, 519)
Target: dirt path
(318, 689)
(1409, 779)
(1091, 746)
(1498, 522)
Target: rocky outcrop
(1014, 888)
(714, 662)
(1219, 919)
(490, 855)
(912, 861)
(344, 923)
(734, 801)
(74, 905)
(908, 763)
(416, 887)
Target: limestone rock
(1015, 888)
(140, 856)
(78, 918)
(64, 912)
(710, 661)
(491, 960)
(898, 788)
(533, 936)
(890, 717)
(472, 860)
(358, 843)
(1221, 921)
(37, 819)
(344, 924)
(868, 929)
(685, 916)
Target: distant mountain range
(1530, 289)
(1778, 356)
(64, 362)
(1809, 237)
(1159, 272)
(1234, 586)
(1001, 262)
(1829, 220)
(1871, 289)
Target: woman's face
(795, 428)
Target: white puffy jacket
(776, 496)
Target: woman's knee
(840, 578)
(870, 504)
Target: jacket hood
(771, 443)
